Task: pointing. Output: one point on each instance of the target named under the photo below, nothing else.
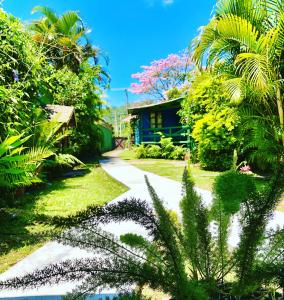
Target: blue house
(162, 117)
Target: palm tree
(63, 37)
(248, 37)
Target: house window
(156, 120)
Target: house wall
(169, 116)
(169, 119)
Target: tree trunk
(281, 113)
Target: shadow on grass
(19, 219)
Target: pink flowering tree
(162, 76)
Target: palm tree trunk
(281, 113)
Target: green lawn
(58, 198)
(174, 170)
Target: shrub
(154, 151)
(167, 146)
(178, 153)
(214, 160)
(140, 151)
(130, 296)
(214, 134)
(22, 69)
(167, 150)
(79, 91)
(242, 185)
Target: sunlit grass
(174, 170)
(58, 198)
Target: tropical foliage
(243, 43)
(165, 149)
(22, 65)
(47, 63)
(65, 87)
(214, 122)
(19, 166)
(182, 257)
(61, 37)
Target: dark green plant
(182, 257)
(21, 69)
(233, 188)
(215, 160)
(261, 139)
(130, 296)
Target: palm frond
(280, 40)
(256, 69)
(18, 166)
(67, 22)
(47, 12)
(236, 89)
(276, 7)
(247, 9)
(238, 29)
(202, 43)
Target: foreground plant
(181, 257)
(19, 165)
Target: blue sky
(131, 32)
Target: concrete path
(133, 178)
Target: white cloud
(163, 2)
(168, 2)
(105, 96)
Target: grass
(20, 225)
(172, 169)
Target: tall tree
(65, 38)
(247, 36)
(162, 76)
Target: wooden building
(62, 114)
(153, 119)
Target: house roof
(60, 113)
(154, 105)
(128, 119)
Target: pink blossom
(162, 75)
(245, 169)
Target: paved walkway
(133, 178)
